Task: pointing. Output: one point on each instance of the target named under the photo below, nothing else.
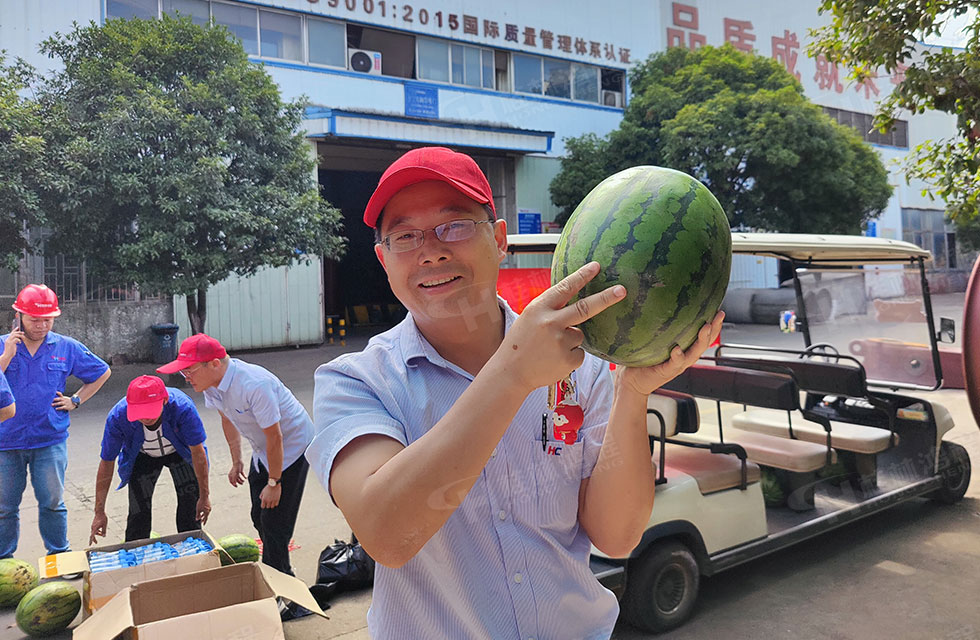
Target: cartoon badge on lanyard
(566, 414)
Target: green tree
(177, 162)
(871, 35)
(22, 170)
(741, 124)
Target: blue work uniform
(35, 381)
(180, 423)
(35, 440)
(6, 396)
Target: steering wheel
(971, 341)
(824, 349)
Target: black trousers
(146, 471)
(275, 526)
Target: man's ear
(500, 236)
(381, 257)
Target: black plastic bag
(343, 566)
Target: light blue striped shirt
(512, 560)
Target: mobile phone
(15, 325)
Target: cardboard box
(237, 602)
(99, 588)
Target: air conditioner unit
(612, 98)
(364, 61)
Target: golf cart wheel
(661, 587)
(954, 467)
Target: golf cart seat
(669, 413)
(843, 435)
(712, 471)
(756, 388)
(772, 451)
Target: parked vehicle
(767, 443)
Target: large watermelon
(662, 235)
(48, 608)
(239, 548)
(16, 578)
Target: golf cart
(778, 437)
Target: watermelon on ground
(239, 548)
(48, 608)
(16, 579)
(772, 487)
(662, 235)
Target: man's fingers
(593, 305)
(558, 295)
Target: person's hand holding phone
(15, 337)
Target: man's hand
(646, 380)
(237, 475)
(203, 509)
(62, 402)
(270, 496)
(14, 338)
(99, 524)
(543, 346)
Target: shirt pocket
(558, 476)
(57, 374)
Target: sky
(954, 32)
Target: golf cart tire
(954, 466)
(661, 587)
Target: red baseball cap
(198, 348)
(145, 398)
(429, 163)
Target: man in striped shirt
(430, 440)
(153, 427)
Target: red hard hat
(38, 301)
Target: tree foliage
(177, 161)
(22, 169)
(871, 35)
(739, 123)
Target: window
(197, 10)
(143, 9)
(281, 35)
(397, 49)
(927, 229)
(242, 22)
(585, 83)
(327, 42)
(457, 63)
(527, 73)
(557, 78)
(864, 124)
(488, 70)
(433, 59)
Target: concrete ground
(910, 572)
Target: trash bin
(164, 342)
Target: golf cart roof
(800, 247)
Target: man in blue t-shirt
(7, 407)
(151, 428)
(37, 362)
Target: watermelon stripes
(662, 235)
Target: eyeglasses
(452, 231)
(191, 369)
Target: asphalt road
(911, 572)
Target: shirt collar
(414, 345)
(228, 377)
